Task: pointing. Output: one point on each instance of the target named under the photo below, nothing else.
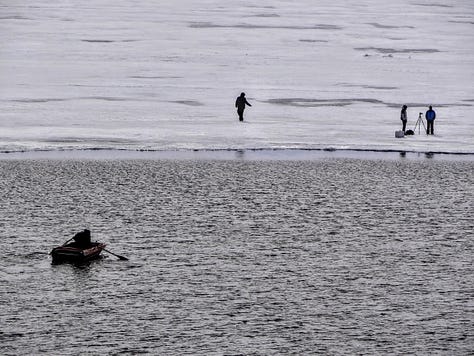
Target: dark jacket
(241, 102)
(430, 115)
(83, 238)
(403, 115)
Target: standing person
(240, 105)
(430, 117)
(403, 117)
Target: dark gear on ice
(403, 117)
(240, 105)
(430, 117)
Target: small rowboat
(74, 254)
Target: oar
(64, 244)
(120, 257)
(72, 238)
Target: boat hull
(72, 254)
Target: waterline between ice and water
(282, 154)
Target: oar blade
(122, 258)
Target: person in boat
(240, 103)
(83, 239)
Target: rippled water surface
(330, 256)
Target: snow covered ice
(164, 75)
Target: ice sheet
(164, 75)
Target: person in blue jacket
(430, 117)
(240, 105)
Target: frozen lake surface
(326, 256)
(164, 75)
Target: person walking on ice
(430, 117)
(240, 105)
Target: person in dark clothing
(403, 117)
(240, 105)
(83, 238)
(430, 117)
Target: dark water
(331, 256)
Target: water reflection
(240, 154)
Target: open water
(235, 257)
